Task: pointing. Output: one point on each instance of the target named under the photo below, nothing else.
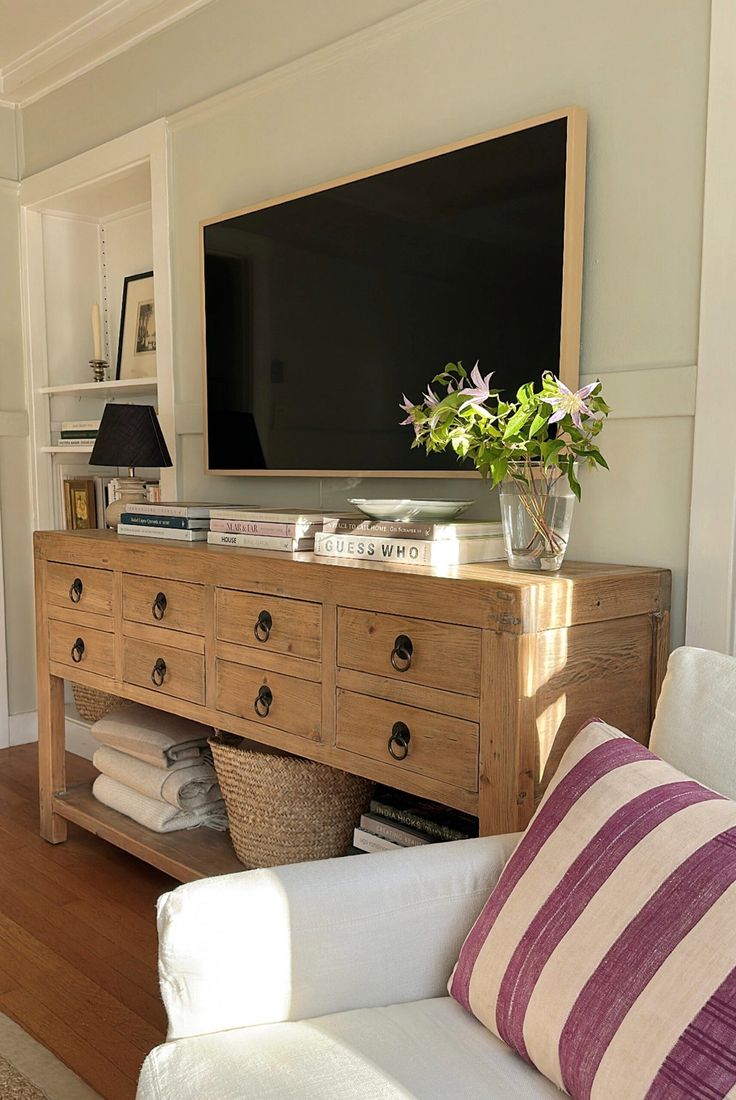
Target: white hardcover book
(260, 542)
(263, 515)
(413, 530)
(170, 508)
(80, 425)
(403, 835)
(409, 551)
(161, 533)
(368, 842)
(75, 443)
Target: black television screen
(321, 309)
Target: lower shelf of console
(187, 855)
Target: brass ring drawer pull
(263, 701)
(158, 672)
(75, 590)
(78, 650)
(402, 652)
(398, 742)
(158, 607)
(262, 629)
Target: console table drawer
(432, 745)
(270, 699)
(79, 588)
(292, 627)
(81, 647)
(176, 605)
(437, 655)
(164, 669)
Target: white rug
(37, 1067)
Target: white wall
(16, 575)
(428, 74)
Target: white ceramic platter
(411, 509)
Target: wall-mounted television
(320, 308)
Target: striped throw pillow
(606, 954)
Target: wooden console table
(461, 684)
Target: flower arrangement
(532, 443)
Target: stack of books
(411, 542)
(162, 520)
(399, 820)
(259, 529)
(78, 433)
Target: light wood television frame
(572, 270)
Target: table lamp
(128, 435)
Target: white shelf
(65, 450)
(115, 385)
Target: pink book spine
(253, 527)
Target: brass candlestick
(99, 369)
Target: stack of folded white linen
(157, 768)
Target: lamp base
(131, 490)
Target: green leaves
(508, 438)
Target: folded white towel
(155, 736)
(186, 785)
(158, 816)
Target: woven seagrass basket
(93, 704)
(284, 809)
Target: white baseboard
(79, 740)
(23, 730)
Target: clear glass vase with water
(536, 512)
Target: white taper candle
(96, 331)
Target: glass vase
(536, 512)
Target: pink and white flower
(567, 403)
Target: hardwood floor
(77, 937)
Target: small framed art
(80, 503)
(137, 343)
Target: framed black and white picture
(137, 343)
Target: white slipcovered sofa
(327, 981)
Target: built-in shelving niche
(86, 224)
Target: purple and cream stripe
(624, 863)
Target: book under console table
(461, 684)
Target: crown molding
(112, 28)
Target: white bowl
(411, 509)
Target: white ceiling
(46, 43)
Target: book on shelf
(261, 542)
(150, 519)
(172, 508)
(299, 516)
(307, 529)
(79, 426)
(410, 551)
(74, 441)
(162, 533)
(368, 842)
(413, 529)
(436, 821)
(80, 433)
(404, 835)
(152, 490)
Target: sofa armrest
(314, 938)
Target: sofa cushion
(695, 724)
(428, 1049)
(605, 954)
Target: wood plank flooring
(77, 937)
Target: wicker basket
(284, 809)
(93, 704)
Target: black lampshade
(129, 435)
